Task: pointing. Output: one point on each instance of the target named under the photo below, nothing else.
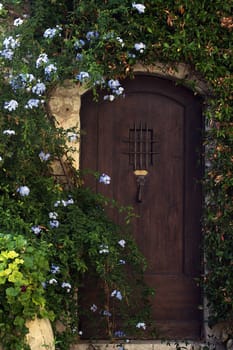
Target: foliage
(23, 268)
(97, 43)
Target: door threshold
(139, 345)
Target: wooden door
(157, 128)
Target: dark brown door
(156, 129)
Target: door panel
(157, 128)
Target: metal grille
(141, 146)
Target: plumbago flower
(18, 22)
(44, 157)
(52, 32)
(139, 7)
(116, 294)
(42, 60)
(83, 76)
(140, 47)
(141, 325)
(32, 103)
(105, 179)
(23, 191)
(39, 89)
(11, 105)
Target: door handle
(140, 178)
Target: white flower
(23, 191)
(52, 281)
(39, 88)
(93, 308)
(41, 60)
(105, 179)
(82, 76)
(36, 230)
(141, 325)
(54, 223)
(8, 132)
(44, 156)
(122, 243)
(18, 22)
(32, 103)
(53, 215)
(67, 286)
(1, 159)
(121, 261)
(117, 294)
(11, 105)
(140, 47)
(1, 6)
(139, 7)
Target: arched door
(150, 144)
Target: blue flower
(83, 76)
(93, 308)
(7, 54)
(51, 32)
(39, 88)
(139, 7)
(41, 60)
(67, 286)
(119, 334)
(11, 105)
(55, 269)
(105, 179)
(79, 44)
(122, 243)
(23, 191)
(141, 325)
(54, 223)
(116, 294)
(107, 313)
(53, 215)
(11, 43)
(140, 47)
(18, 22)
(36, 230)
(92, 35)
(32, 103)
(51, 68)
(44, 156)
(22, 81)
(79, 57)
(113, 84)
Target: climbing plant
(96, 44)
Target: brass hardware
(140, 172)
(141, 177)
